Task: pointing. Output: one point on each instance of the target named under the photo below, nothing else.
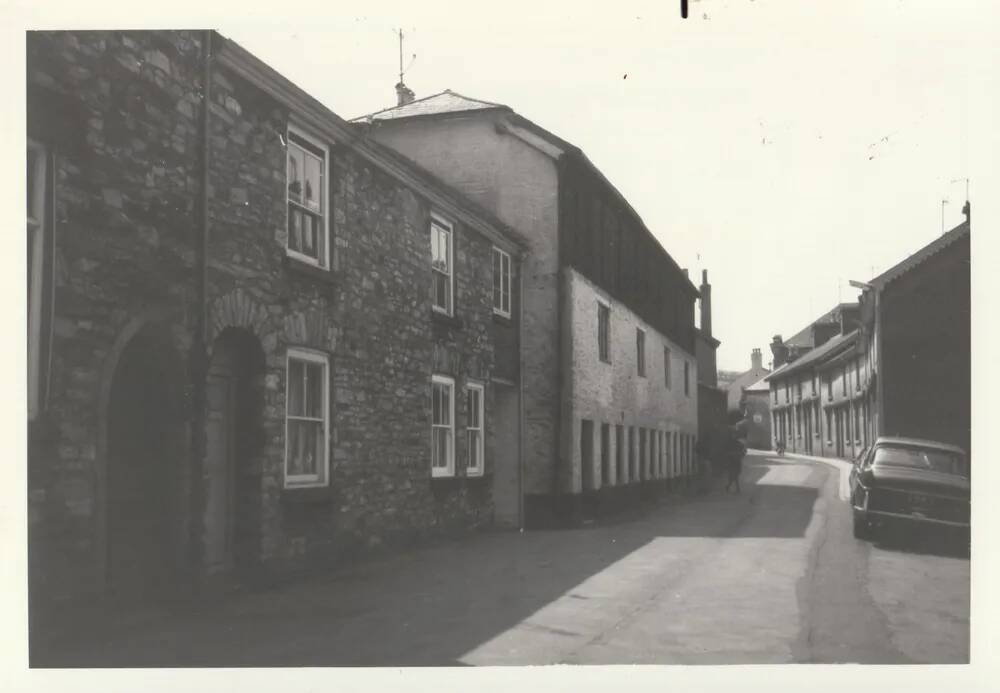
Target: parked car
(908, 481)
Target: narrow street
(772, 575)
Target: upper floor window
(813, 382)
(640, 351)
(603, 332)
(798, 389)
(36, 184)
(474, 427)
(774, 392)
(308, 224)
(857, 374)
(829, 387)
(666, 366)
(687, 378)
(307, 398)
(843, 383)
(442, 247)
(787, 392)
(442, 426)
(501, 283)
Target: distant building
(843, 316)
(610, 363)
(756, 409)
(898, 365)
(734, 390)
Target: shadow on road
(934, 541)
(429, 606)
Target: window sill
(296, 266)
(306, 495)
(501, 319)
(452, 321)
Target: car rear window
(922, 458)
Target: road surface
(772, 575)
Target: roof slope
(760, 386)
(443, 102)
(911, 262)
(449, 102)
(804, 337)
(831, 346)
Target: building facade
(734, 388)
(610, 370)
(255, 342)
(756, 409)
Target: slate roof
(443, 102)
(932, 248)
(819, 353)
(760, 386)
(804, 337)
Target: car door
(856, 468)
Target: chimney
(779, 351)
(756, 360)
(967, 211)
(404, 94)
(706, 304)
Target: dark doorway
(234, 441)
(143, 471)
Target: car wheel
(861, 528)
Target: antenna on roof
(404, 94)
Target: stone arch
(236, 309)
(157, 331)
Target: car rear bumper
(877, 515)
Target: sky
(785, 146)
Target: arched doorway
(144, 439)
(234, 443)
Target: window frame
(449, 227)
(449, 469)
(687, 378)
(35, 238)
(603, 338)
(480, 469)
(293, 131)
(321, 478)
(505, 283)
(640, 352)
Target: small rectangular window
(640, 351)
(442, 252)
(666, 366)
(687, 379)
(603, 327)
(605, 454)
(587, 454)
(501, 283)
(306, 418)
(308, 226)
(442, 426)
(474, 428)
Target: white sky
(750, 142)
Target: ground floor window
(306, 418)
(442, 426)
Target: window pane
(474, 460)
(305, 447)
(445, 405)
(294, 228)
(295, 155)
(313, 183)
(295, 391)
(440, 447)
(314, 390)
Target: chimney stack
(404, 94)
(780, 351)
(756, 360)
(706, 304)
(967, 211)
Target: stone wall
(128, 232)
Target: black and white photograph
(567, 342)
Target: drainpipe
(199, 355)
(521, 428)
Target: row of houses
(897, 362)
(262, 336)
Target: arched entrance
(144, 443)
(234, 442)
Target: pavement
(771, 575)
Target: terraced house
(256, 339)
(610, 370)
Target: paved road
(771, 575)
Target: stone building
(256, 340)
(610, 370)
(756, 409)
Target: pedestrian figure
(735, 451)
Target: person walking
(735, 450)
